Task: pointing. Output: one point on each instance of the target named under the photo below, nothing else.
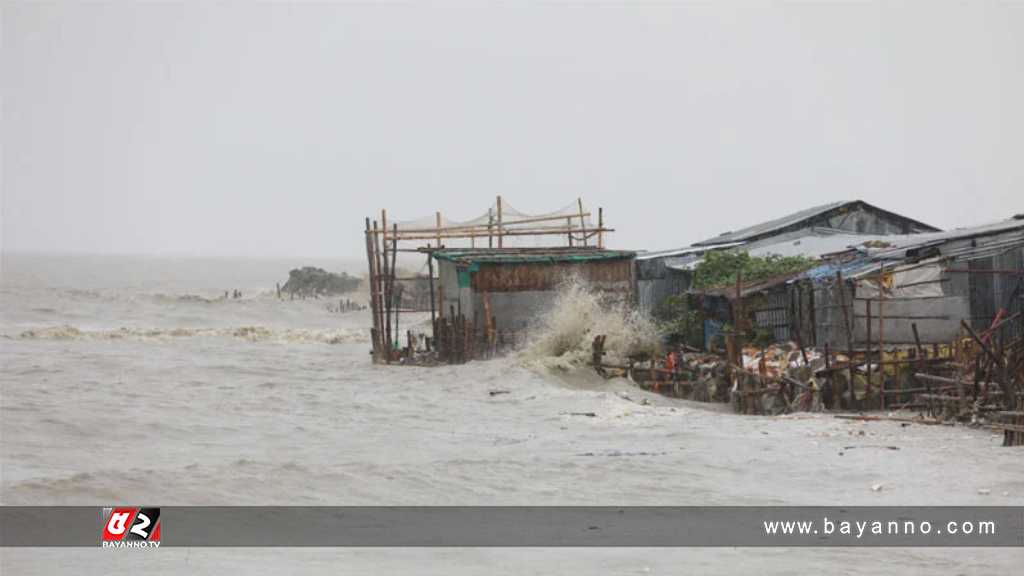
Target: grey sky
(273, 130)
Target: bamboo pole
(482, 232)
(433, 315)
(438, 219)
(392, 336)
(483, 227)
(394, 261)
(387, 288)
(379, 290)
(831, 380)
(849, 334)
(920, 366)
(881, 334)
(583, 224)
(867, 339)
(501, 243)
(373, 291)
(600, 226)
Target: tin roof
(814, 243)
(808, 215)
(652, 254)
(986, 240)
(529, 255)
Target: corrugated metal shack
(931, 281)
(663, 274)
(810, 232)
(502, 292)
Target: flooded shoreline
(217, 418)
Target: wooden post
(1009, 391)
(501, 240)
(881, 333)
(488, 322)
(600, 227)
(379, 290)
(813, 315)
(490, 226)
(438, 228)
(440, 297)
(583, 224)
(749, 405)
(831, 380)
(430, 271)
(849, 335)
(370, 235)
(737, 310)
(921, 366)
(568, 228)
(391, 290)
(386, 293)
(867, 339)
(398, 309)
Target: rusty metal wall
(611, 275)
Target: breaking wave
(564, 336)
(250, 333)
(185, 298)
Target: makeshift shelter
(812, 232)
(931, 281)
(506, 290)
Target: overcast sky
(274, 130)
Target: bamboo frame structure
(383, 245)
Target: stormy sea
(144, 380)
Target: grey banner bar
(473, 526)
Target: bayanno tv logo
(126, 527)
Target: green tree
(720, 268)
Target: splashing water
(579, 314)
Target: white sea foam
(565, 334)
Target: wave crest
(250, 333)
(579, 314)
